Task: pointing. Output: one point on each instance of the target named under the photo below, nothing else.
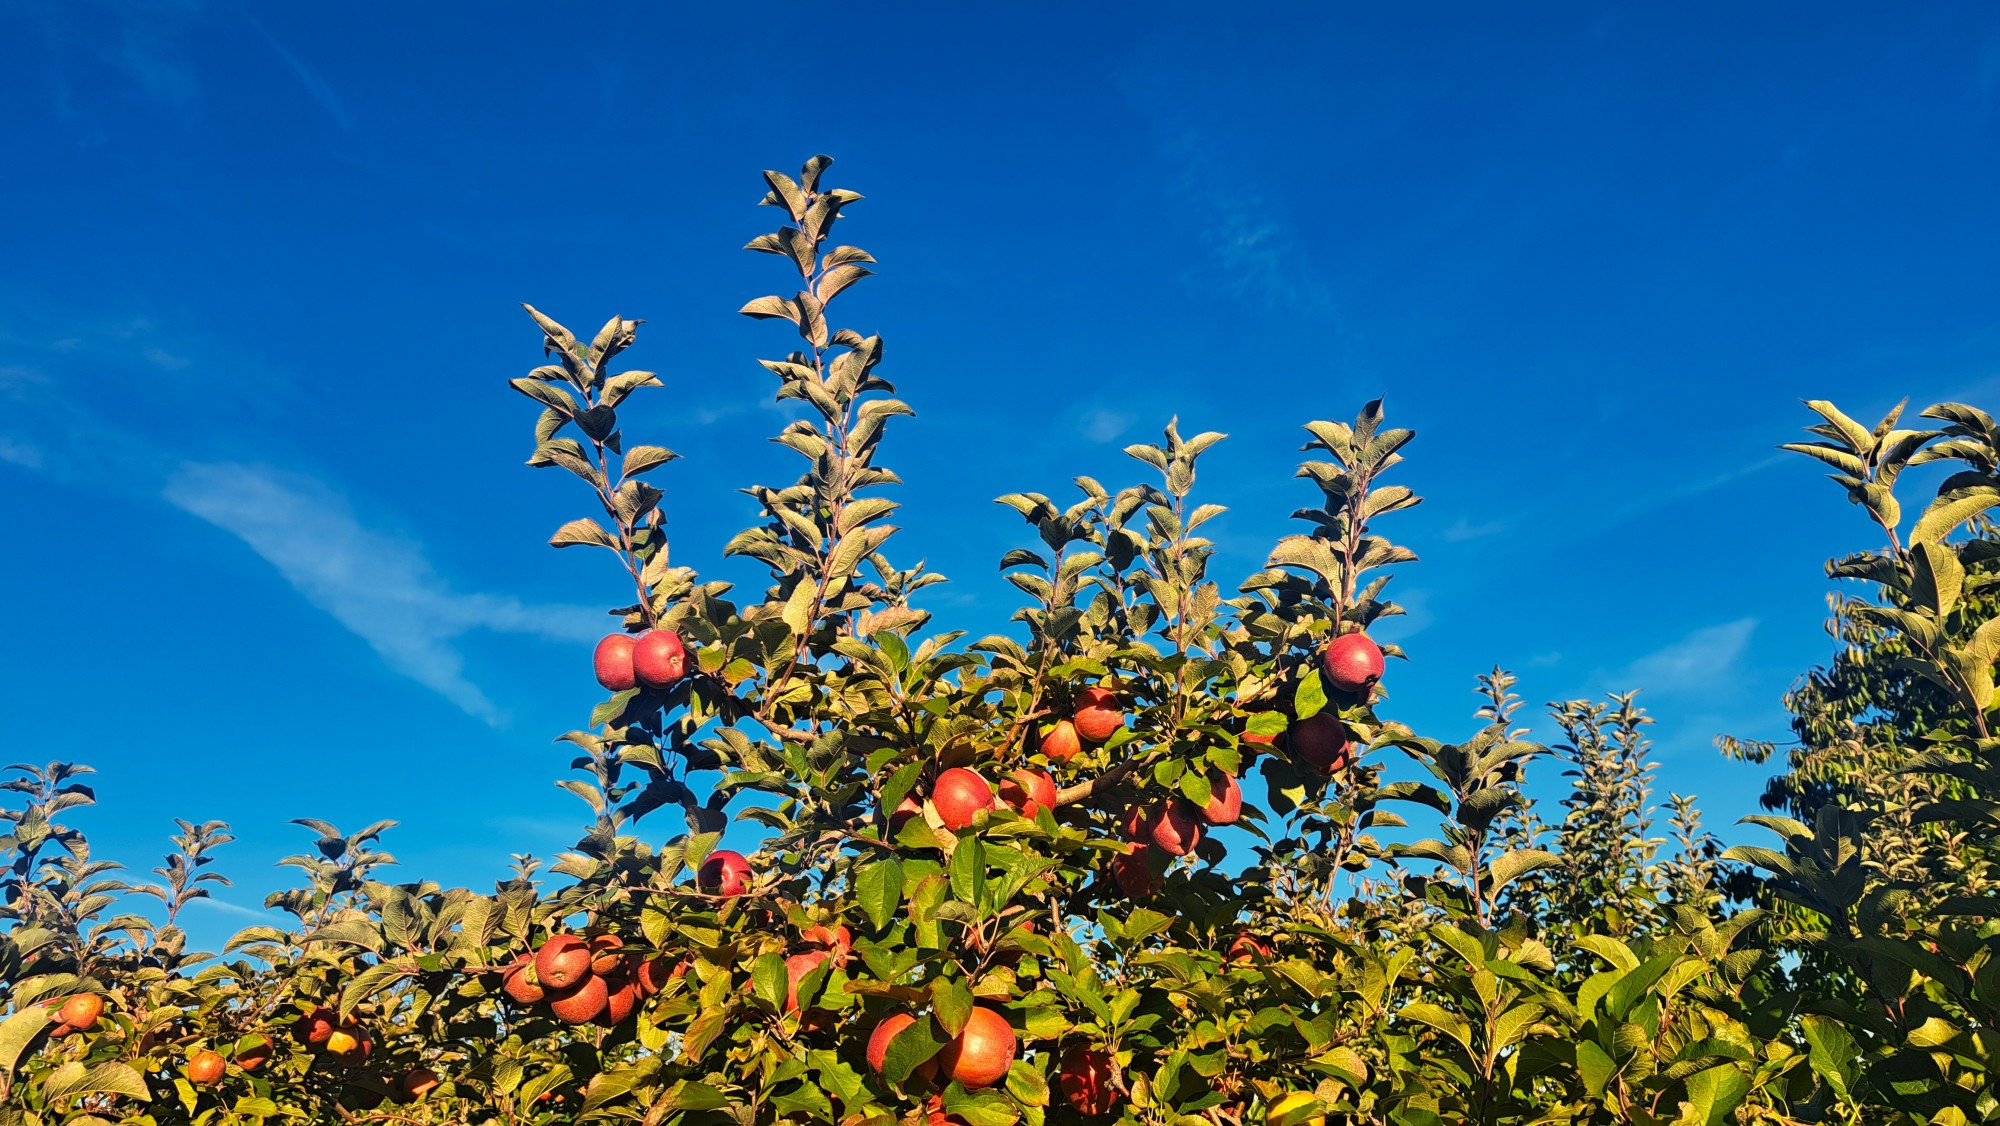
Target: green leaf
(1594, 1066)
(1834, 1052)
(1939, 575)
(910, 1048)
(1950, 510)
(1027, 1085)
(768, 980)
(584, 531)
(968, 872)
(798, 613)
(1511, 866)
(979, 1108)
(639, 459)
(1310, 699)
(1716, 1093)
(73, 1079)
(17, 1031)
(951, 999)
(878, 887)
(1437, 1017)
(1144, 922)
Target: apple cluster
(655, 659)
(587, 979)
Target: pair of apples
(656, 659)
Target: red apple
(1174, 826)
(562, 962)
(350, 1043)
(604, 956)
(519, 982)
(254, 1051)
(314, 1027)
(878, 1041)
(907, 808)
(1062, 744)
(1029, 791)
(836, 940)
(1140, 873)
(1248, 948)
(1225, 799)
(1085, 1080)
(1320, 741)
(724, 873)
(1098, 715)
(981, 1052)
(1353, 663)
(959, 794)
(796, 968)
(652, 974)
(582, 1002)
(620, 998)
(80, 1013)
(659, 658)
(418, 1083)
(613, 662)
(205, 1069)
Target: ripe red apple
(349, 1043)
(1353, 663)
(314, 1027)
(1174, 826)
(80, 1013)
(1140, 873)
(580, 1003)
(1248, 948)
(958, 794)
(612, 662)
(1085, 1080)
(254, 1051)
(621, 997)
(419, 1083)
(724, 873)
(981, 1052)
(659, 658)
(604, 956)
(205, 1068)
(878, 1041)
(562, 962)
(836, 940)
(1320, 741)
(519, 982)
(1029, 791)
(1225, 799)
(650, 975)
(796, 968)
(1098, 714)
(1062, 744)
(907, 808)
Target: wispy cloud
(223, 906)
(1257, 257)
(315, 86)
(1104, 425)
(19, 453)
(1464, 529)
(381, 588)
(1702, 659)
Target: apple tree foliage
(1385, 930)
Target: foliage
(1008, 879)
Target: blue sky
(275, 555)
